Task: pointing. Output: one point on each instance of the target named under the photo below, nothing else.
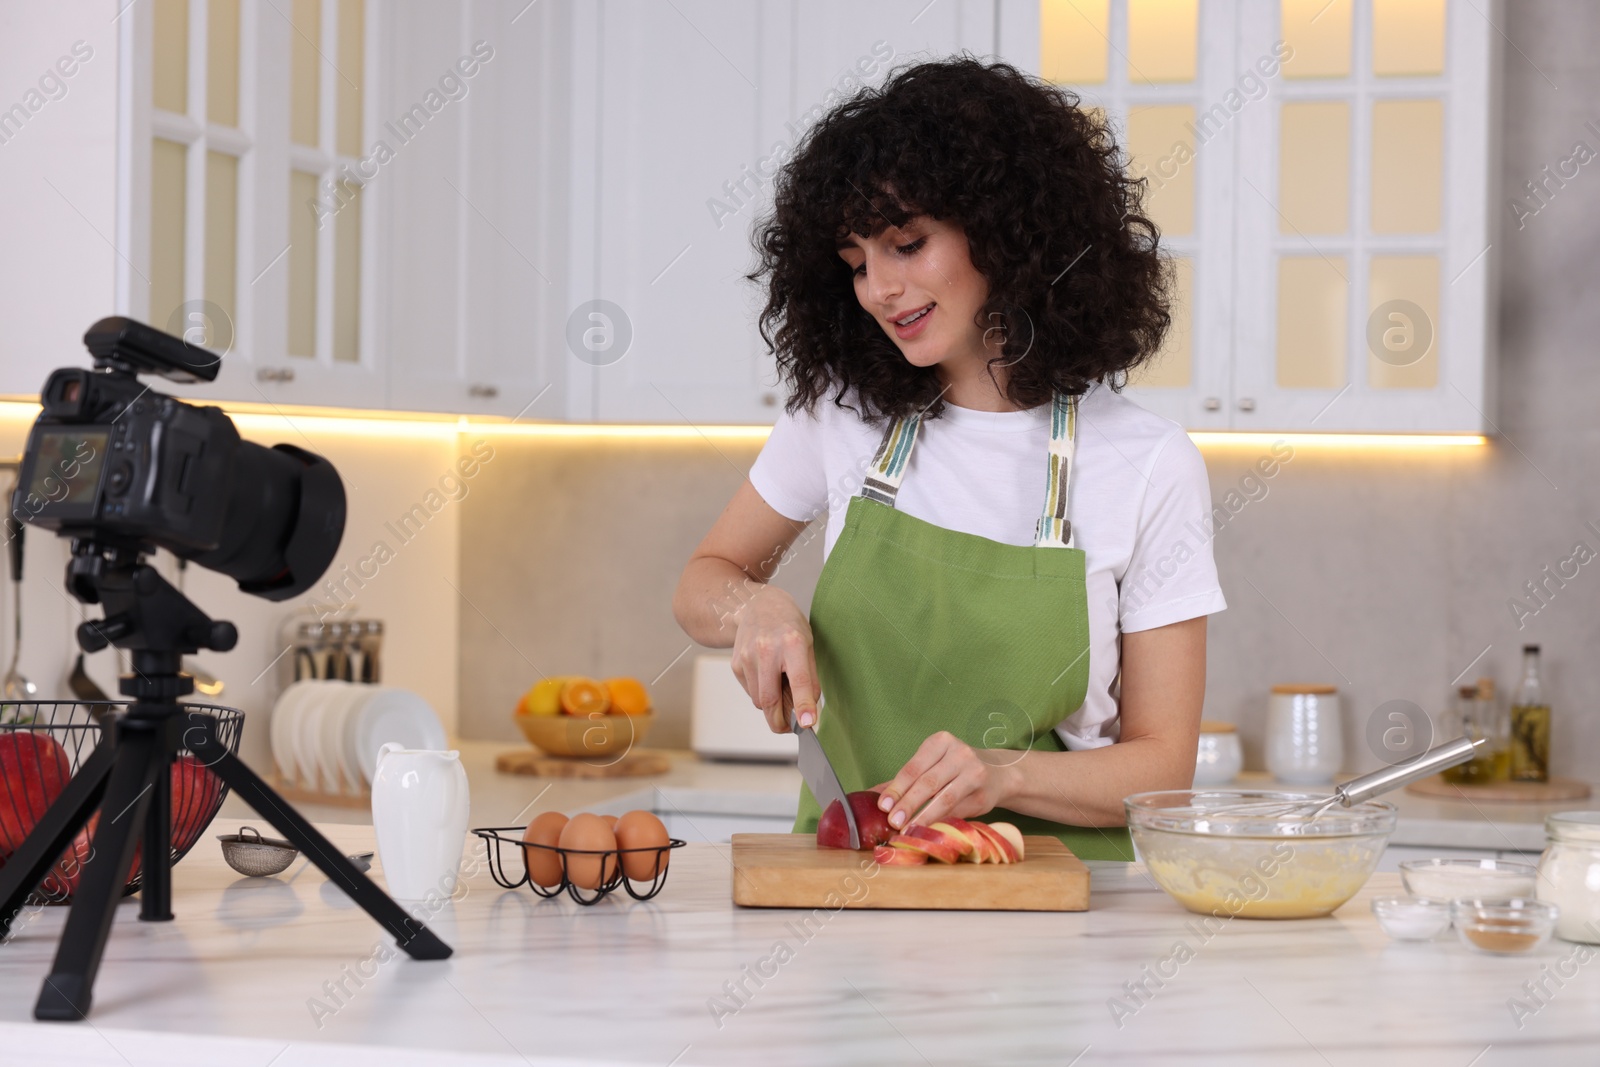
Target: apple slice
(889, 856)
(946, 833)
(982, 851)
(968, 841)
(1007, 853)
(941, 850)
(1011, 834)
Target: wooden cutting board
(790, 871)
(533, 762)
(1553, 791)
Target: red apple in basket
(873, 825)
(33, 772)
(194, 794)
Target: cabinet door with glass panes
(1156, 68)
(249, 229)
(1364, 266)
(1319, 173)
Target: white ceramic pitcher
(419, 813)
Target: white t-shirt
(1140, 507)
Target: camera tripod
(127, 778)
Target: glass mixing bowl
(1217, 860)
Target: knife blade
(817, 771)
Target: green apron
(919, 629)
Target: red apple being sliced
(962, 840)
(944, 836)
(941, 850)
(890, 856)
(982, 850)
(1011, 834)
(1006, 852)
(833, 831)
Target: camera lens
(283, 522)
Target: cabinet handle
(274, 374)
(1213, 403)
(487, 392)
(1247, 403)
(768, 400)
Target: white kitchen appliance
(725, 725)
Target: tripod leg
(54, 832)
(155, 885)
(69, 990)
(414, 938)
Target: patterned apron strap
(888, 467)
(1055, 529)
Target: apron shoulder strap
(888, 467)
(1055, 529)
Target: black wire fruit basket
(42, 745)
(494, 837)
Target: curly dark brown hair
(1037, 183)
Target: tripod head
(145, 615)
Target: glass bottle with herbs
(1496, 719)
(1530, 724)
(1468, 718)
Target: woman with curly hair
(1010, 621)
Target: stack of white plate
(326, 734)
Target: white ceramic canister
(1569, 873)
(1219, 757)
(1305, 734)
(419, 814)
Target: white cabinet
(564, 232)
(682, 112)
(1321, 173)
(474, 272)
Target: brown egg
(640, 829)
(589, 833)
(544, 865)
(611, 821)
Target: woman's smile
(913, 323)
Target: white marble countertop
(771, 789)
(250, 974)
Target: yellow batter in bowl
(1225, 865)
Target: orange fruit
(628, 696)
(584, 696)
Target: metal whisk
(1365, 787)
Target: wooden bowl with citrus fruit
(580, 717)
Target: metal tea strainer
(251, 854)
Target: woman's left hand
(947, 777)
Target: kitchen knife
(817, 771)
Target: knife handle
(788, 704)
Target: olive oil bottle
(1530, 724)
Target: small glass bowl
(1410, 919)
(1504, 927)
(1452, 879)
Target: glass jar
(1569, 873)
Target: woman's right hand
(773, 642)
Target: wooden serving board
(1553, 791)
(536, 763)
(790, 871)
(297, 794)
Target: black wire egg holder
(496, 836)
